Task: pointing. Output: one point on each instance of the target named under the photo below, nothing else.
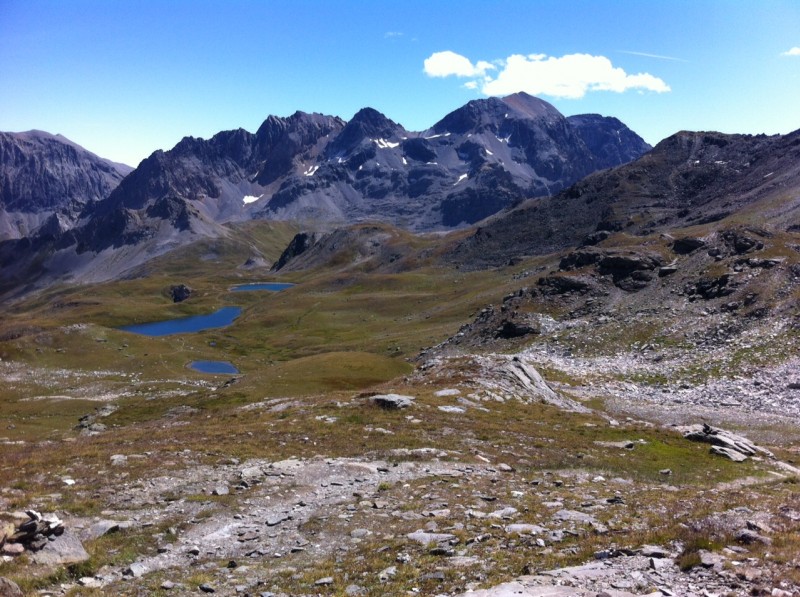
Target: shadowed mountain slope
(689, 179)
(46, 180)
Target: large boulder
(64, 550)
(392, 401)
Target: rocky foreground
(447, 520)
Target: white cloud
(570, 76)
(446, 64)
(391, 34)
(795, 51)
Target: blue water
(213, 367)
(185, 325)
(272, 286)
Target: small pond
(271, 286)
(214, 367)
(185, 325)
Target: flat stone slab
(575, 516)
(729, 453)
(525, 529)
(447, 392)
(523, 588)
(452, 409)
(425, 538)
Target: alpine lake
(199, 323)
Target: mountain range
(536, 182)
(309, 168)
(475, 161)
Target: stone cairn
(31, 535)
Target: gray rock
(323, 582)
(13, 549)
(180, 292)
(392, 401)
(455, 392)
(654, 551)
(728, 453)
(387, 574)
(354, 591)
(463, 561)
(425, 538)
(251, 472)
(503, 513)
(458, 410)
(525, 529)
(61, 551)
(575, 516)
(725, 439)
(100, 528)
(220, 490)
(624, 445)
(276, 519)
(710, 559)
(135, 570)
(8, 588)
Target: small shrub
(688, 560)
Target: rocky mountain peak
(528, 106)
(366, 124)
(475, 116)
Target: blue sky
(124, 78)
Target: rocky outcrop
(630, 270)
(180, 292)
(724, 443)
(301, 242)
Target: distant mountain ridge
(48, 179)
(475, 161)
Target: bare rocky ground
(436, 520)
